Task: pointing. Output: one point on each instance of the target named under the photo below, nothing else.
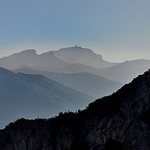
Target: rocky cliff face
(120, 121)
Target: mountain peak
(28, 51)
(76, 48)
(76, 54)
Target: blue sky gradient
(117, 29)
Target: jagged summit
(30, 59)
(52, 60)
(76, 54)
(119, 121)
(76, 48)
(28, 51)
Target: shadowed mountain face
(72, 55)
(94, 85)
(119, 121)
(32, 96)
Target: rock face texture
(120, 121)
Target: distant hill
(94, 85)
(32, 96)
(116, 122)
(78, 68)
(123, 72)
(29, 58)
(76, 60)
(72, 55)
(126, 71)
(54, 60)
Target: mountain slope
(94, 85)
(126, 71)
(120, 121)
(31, 59)
(32, 96)
(123, 72)
(78, 60)
(72, 55)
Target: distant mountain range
(126, 71)
(94, 85)
(123, 72)
(29, 58)
(33, 96)
(76, 60)
(73, 55)
(73, 77)
(53, 60)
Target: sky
(119, 30)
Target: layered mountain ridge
(32, 96)
(29, 58)
(94, 85)
(119, 121)
(55, 59)
(76, 60)
(73, 55)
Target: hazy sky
(117, 29)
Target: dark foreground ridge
(120, 121)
